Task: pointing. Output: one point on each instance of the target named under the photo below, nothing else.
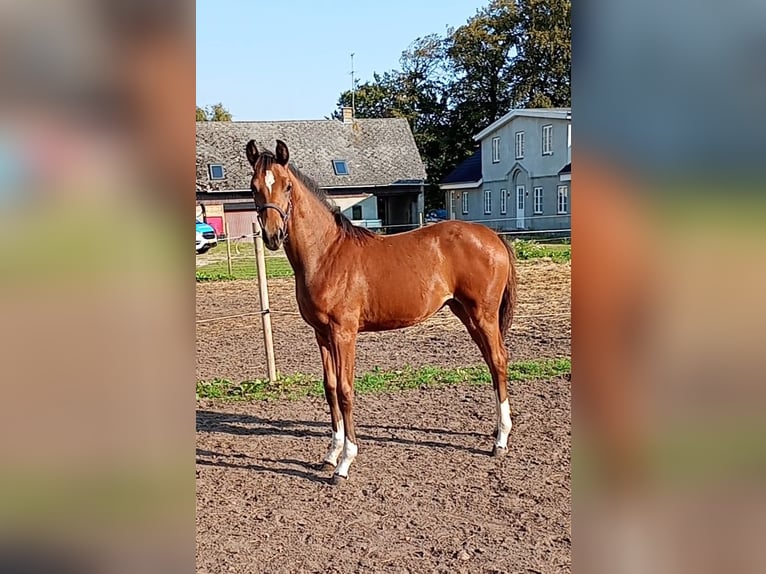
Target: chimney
(348, 115)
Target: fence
(265, 310)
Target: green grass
(529, 249)
(378, 380)
(242, 265)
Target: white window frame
(547, 138)
(465, 202)
(538, 206)
(562, 200)
(503, 201)
(520, 145)
(487, 201)
(496, 149)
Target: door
(520, 193)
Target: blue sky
(291, 59)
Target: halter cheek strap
(285, 215)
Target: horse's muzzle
(273, 241)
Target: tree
(214, 113)
(480, 58)
(542, 69)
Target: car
(206, 237)
(436, 215)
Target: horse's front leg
(344, 345)
(330, 380)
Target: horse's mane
(344, 223)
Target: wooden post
(263, 289)
(228, 248)
(420, 217)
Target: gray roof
(378, 152)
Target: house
(370, 168)
(519, 179)
(462, 186)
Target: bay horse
(349, 280)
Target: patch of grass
(379, 380)
(243, 267)
(529, 249)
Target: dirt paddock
(423, 495)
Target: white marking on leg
(504, 424)
(336, 447)
(349, 454)
(269, 179)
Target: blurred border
(668, 319)
(97, 415)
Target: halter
(285, 215)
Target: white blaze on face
(269, 179)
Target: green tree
(215, 113)
(480, 58)
(542, 68)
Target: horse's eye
(289, 186)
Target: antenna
(353, 88)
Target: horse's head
(272, 185)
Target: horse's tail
(508, 302)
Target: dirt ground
(423, 494)
(233, 348)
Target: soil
(233, 348)
(423, 495)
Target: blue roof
(467, 171)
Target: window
(465, 202)
(487, 201)
(495, 150)
(356, 212)
(548, 140)
(340, 166)
(503, 201)
(538, 200)
(519, 145)
(563, 199)
(216, 171)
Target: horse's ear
(283, 154)
(252, 152)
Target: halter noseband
(285, 215)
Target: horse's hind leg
(484, 327)
(462, 313)
(330, 381)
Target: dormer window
(340, 167)
(216, 171)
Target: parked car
(436, 215)
(206, 237)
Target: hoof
(338, 480)
(499, 452)
(325, 466)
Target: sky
(291, 59)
